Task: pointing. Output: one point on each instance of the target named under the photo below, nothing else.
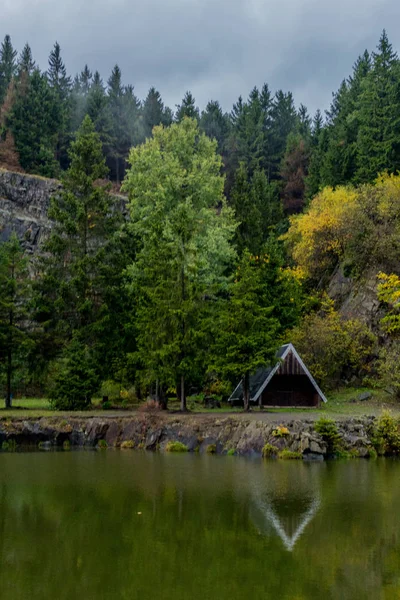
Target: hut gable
(288, 383)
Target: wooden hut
(288, 383)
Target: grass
(340, 404)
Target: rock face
(199, 433)
(24, 202)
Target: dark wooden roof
(288, 363)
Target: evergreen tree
(57, 73)
(284, 121)
(73, 275)
(188, 108)
(319, 141)
(246, 331)
(174, 186)
(14, 311)
(34, 121)
(293, 172)
(60, 83)
(98, 109)
(8, 65)
(26, 64)
(154, 113)
(215, 124)
(379, 112)
(85, 79)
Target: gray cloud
(218, 49)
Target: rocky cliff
(199, 433)
(24, 202)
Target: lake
(135, 525)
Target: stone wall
(199, 433)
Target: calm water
(136, 525)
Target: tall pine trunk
(183, 395)
(9, 362)
(246, 392)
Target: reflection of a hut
(286, 501)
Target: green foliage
(246, 329)
(9, 445)
(372, 453)
(174, 186)
(386, 434)
(211, 449)
(102, 444)
(286, 454)
(74, 379)
(231, 452)
(333, 348)
(176, 447)
(269, 451)
(328, 430)
(66, 445)
(388, 369)
(15, 315)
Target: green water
(136, 525)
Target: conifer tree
(215, 124)
(246, 330)
(8, 65)
(26, 64)
(14, 311)
(188, 108)
(154, 112)
(379, 112)
(34, 122)
(72, 272)
(60, 83)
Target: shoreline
(243, 435)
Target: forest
(236, 224)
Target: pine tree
(284, 120)
(57, 73)
(319, 143)
(26, 64)
(14, 311)
(60, 83)
(294, 171)
(98, 109)
(8, 65)
(72, 277)
(34, 123)
(188, 108)
(379, 114)
(154, 113)
(246, 332)
(215, 124)
(85, 79)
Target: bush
(231, 452)
(386, 435)
(328, 430)
(269, 451)
(102, 444)
(388, 368)
(211, 449)
(176, 447)
(128, 444)
(280, 431)
(333, 348)
(290, 455)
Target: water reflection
(286, 505)
(127, 525)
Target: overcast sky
(219, 49)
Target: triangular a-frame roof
(260, 380)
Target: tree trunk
(9, 361)
(183, 395)
(246, 392)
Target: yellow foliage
(389, 293)
(318, 237)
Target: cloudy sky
(218, 49)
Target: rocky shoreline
(193, 433)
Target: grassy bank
(340, 403)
